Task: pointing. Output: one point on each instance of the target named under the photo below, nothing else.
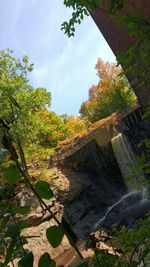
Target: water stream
(93, 201)
(134, 204)
(125, 157)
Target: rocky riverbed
(79, 199)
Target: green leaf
(9, 252)
(4, 222)
(81, 263)
(22, 224)
(20, 210)
(46, 261)
(7, 191)
(43, 189)
(55, 235)
(4, 206)
(12, 174)
(24, 241)
(26, 261)
(13, 100)
(1, 135)
(12, 231)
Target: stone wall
(97, 152)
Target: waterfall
(123, 154)
(134, 204)
(131, 206)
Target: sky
(64, 66)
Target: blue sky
(63, 66)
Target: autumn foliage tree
(76, 125)
(113, 93)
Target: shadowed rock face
(127, 210)
(87, 201)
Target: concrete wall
(97, 153)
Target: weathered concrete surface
(84, 152)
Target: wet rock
(127, 210)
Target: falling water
(134, 204)
(123, 154)
(131, 205)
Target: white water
(123, 154)
(126, 160)
(138, 198)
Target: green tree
(50, 128)
(19, 101)
(22, 109)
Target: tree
(76, 125)
(133, 18)
(136, 63)
(50, 128)
(22, 110)
(83, 8)
(112, 93)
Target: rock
(130, 208)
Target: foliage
(82, 8)
(43, 190)
(23, 110)
(76, 125)
(12, 174)
(20, 102)
(135, 60)
(112, 93)
(54, 235)
(132, 244)
(50, 128)
(46, 261)
(37, 152)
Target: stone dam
(99, 164)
